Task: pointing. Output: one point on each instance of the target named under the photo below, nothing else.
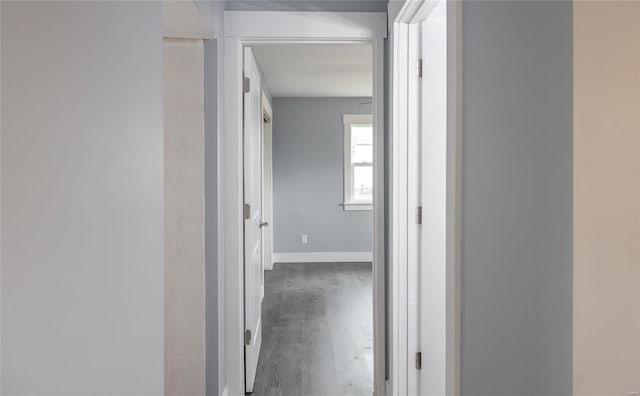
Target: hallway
(317, 328)
(451, 190)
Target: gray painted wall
(82, 198)
(517, 199)
(308, 157)
(213, 69)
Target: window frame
(349, 120)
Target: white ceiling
(317, 70)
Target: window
(358, 161)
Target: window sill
(358, 206)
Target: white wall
(82, 198)
(184, 217)
(606, 327)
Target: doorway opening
(244, 324)
(310, 324)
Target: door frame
(267, 115)
(405, 198)
(244, 28)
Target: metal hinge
(419, 361)
(419, 67)
(247, 337)
(247, 211)
(419, 215)
(246, 84)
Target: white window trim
(348, 120)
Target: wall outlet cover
(303, 239)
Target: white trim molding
(357, 206)
(305, 25)
(409, 184)
(323, 257)
(357, 119)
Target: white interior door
(253, 270)
(434, 336)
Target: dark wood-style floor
(317, 331)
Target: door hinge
(246, 84)
(247, 211)
(419, 67)
(419, 361)
(419, 215)
(247, 337)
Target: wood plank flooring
(317, 331)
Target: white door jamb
(267, 180)
(405, 168)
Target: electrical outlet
(303, 239)
(633, 394)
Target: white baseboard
(323, 257)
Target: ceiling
(317, 70)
